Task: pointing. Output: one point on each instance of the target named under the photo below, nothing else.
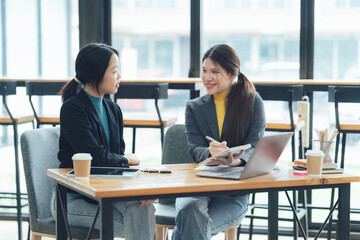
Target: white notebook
(225, 153)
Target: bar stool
(9, 88)
(342, 95)
(41, 88)
(154, 91)
(288, 94)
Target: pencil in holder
(325, 147)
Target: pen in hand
(211, 139)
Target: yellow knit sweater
(219, 100)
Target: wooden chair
(9, 119)
(175, 152)
(39, 149)
(287, 94)
(40, 89)
(341, 95)
(154, 91)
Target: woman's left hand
(231, 160)
(146, 202)
(133, 160)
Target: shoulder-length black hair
(90, 66)
(240, 100)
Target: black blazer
(82, 132)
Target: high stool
(9, 88)
(288, 94)
(41, 88)
(154, 91)
(342, 95)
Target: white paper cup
(82, 164)
(314, 160)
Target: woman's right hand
(132, 159)
(216, 147)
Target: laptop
(262, 160)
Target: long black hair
(240, 100)
(90, 66)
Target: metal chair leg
(251, 227)
(342, 163)
(134, 140)
(295, 225)
(342, 159)
(337, 143)
(17, 182)
(293, 147)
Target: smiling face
(215, 78)
(111, 79)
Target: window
(40, 38)
(152, 37)
(60, 41)
(21, 38)
(265, 34)
(337, 56)
(337, 40)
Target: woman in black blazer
(90, 123)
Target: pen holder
(325, 147)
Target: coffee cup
(314, 160)
(82, 164)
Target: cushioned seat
(39, 149)
(175, 152)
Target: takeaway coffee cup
(314, 160)
(82, 164)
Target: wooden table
(183, 182)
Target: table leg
(107, 219)
(273, 215)
(61, 233)
(343, 224)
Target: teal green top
(99, 106)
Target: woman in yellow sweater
(233, 114)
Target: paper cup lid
(82, 156)
(314, 153)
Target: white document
(225, 153)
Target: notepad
(233, 150)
